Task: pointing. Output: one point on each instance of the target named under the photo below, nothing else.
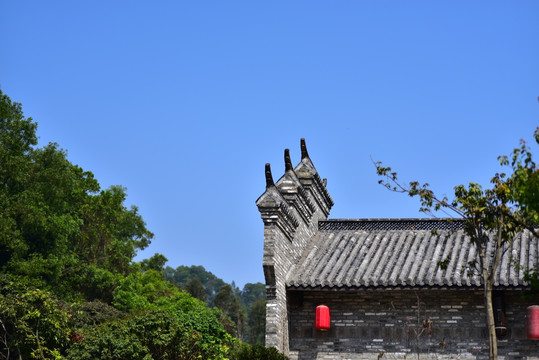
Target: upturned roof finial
(304, 153)
(269, 177)
(287, 161)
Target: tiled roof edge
(389, 288)
(391, 224)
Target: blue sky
(184, 102)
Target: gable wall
(281, 254)
(290, 210)
(365, 324)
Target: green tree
(174, 327)
(56, 226)
(232, 310)
(156, 262)
(92, 313)
(111, 234)
(113, 340)
(17, 137)
(251, 293)
(523, 186)
(498, 213)
(242, 351)
(139, 291)
(182, 274)
(32, 324)
(66, 256)
(196, 289)
(257, 322)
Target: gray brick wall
(382, 324)
(290, 209)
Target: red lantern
(532, 322)
(322, 318)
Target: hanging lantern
(322, 318)
(532, 322)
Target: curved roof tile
(403, 253)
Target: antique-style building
(381, 280)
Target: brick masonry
(290, 210)
(390, 324)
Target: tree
(491, 216)
(251, 293)
(32, 324)
(155, 334)
(156, 262)
(68, 283)
(110, 233)
(139, 291)
(229, 304)
(183, 274)
(57, 227)
(523, 185)
(253, 298)
(257, 322)
(196, 289)
(242, 351)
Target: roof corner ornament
(269, 177)
(304, 153)
(287, 161)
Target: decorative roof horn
(287, 162)
(304, 153)
(269, 177)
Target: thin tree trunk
(491, 326)
(486, 272)
(488, 280)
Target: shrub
(32, 324)
(93, 313)
(181, 329)
(243, 351)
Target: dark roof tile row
(405, 258)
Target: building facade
(388, 297)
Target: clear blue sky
(184, 102)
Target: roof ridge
(394, 219)
(392, 224)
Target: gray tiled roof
(402, 253)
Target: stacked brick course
(398, 324)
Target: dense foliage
(178, 327)
(182, 275)
(69, 288)
(246, 352)
(243, 311)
